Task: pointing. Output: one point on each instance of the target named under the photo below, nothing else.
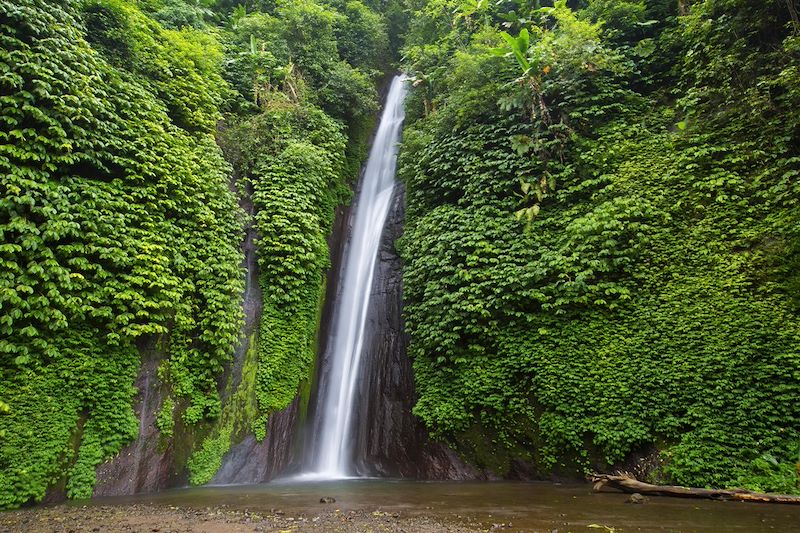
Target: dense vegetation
(117, 226)
(311, 99)
(601, 254)
(121, 230)
(602, 236)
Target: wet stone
(636, 498)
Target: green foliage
(204, 463)
(361, 35)
(314, 43)
(308, 30)
(120, 228)
(118, 225)
(165, 421)
(178, 14)
(292, 257)
(293, 157)
(182, 67)
(622, 21)
(651, 301)
(251, 67)
(66, 415)
(647, 296)
(348, 93)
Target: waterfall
(332, 453)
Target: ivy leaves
(118, 227)
(646, 301)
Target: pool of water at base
(538, 506)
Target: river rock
(636, 498)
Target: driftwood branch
(629, 484)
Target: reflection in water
(528, 506)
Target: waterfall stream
(332, 453)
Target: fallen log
(631, 485)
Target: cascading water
(332, 453)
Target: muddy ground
(170, 519)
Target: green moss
(238, 415)
(205, 462)
(306, 386)
(165, 421)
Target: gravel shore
(170, 519)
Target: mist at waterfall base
(331, 456)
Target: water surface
(526, 506)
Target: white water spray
(332, 456)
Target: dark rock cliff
(282, 451)
(251, 461)
(389, 440)
(145, 465)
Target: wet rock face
(282, 452)
(389, 440)
(143, 465)
(251, 461)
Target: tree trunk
(629, 484)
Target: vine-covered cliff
(599, 260)
(141, 141)
(602, 236)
